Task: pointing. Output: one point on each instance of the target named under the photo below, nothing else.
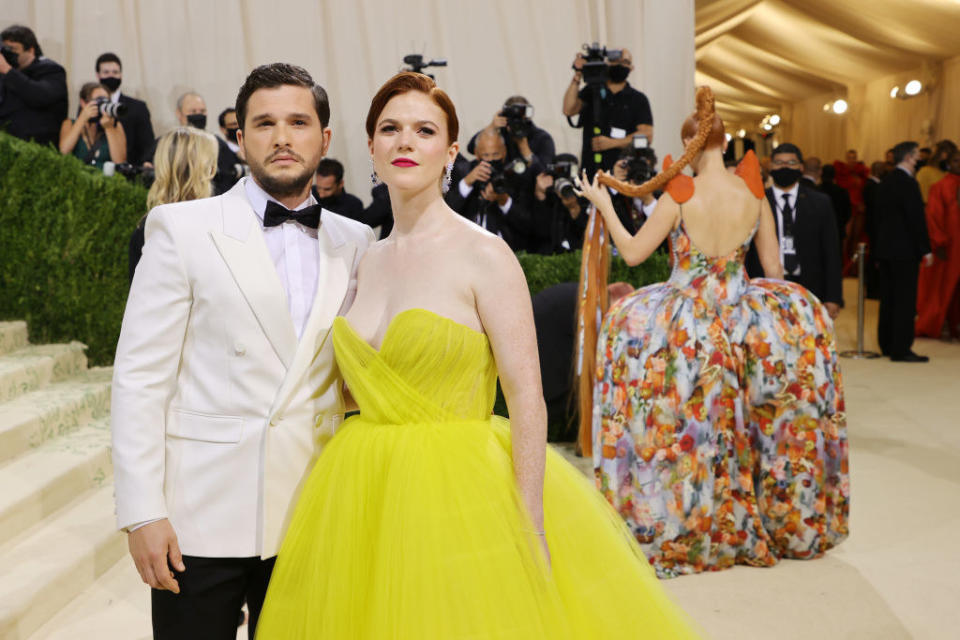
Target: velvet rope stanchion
(591, 306)
(860, 353)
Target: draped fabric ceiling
(761, 55)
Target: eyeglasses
(793, 164)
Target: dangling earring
(447, 177)
(374, 178)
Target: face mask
(785, 177)
(232, 135)
(198, 120)
(111, 83)
(618, 73)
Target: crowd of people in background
(517, 186)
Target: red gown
(938, 298)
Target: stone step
(41, 481)
(55, 410)
(13, 335)
(35, 366)
(44, 569)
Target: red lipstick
(404, 162)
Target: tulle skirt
(415, 531)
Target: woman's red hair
(409, 81)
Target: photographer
(136, 120)
(329, 192)
(524, 139)
(33, 89)
(95, 136)
(560, 217)
(611, 111)
(636, 165)
(495, 194)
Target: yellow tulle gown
(410, 527)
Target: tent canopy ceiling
(758, 55)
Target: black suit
(33, 101)
(139, 130)
(842, 209)
(871, 265)
(343, 203)
(816, 243)
(226, 168)
(902, 241)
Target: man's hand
(578, 62)
(833, 309)
(489, 194)
(928, 260)
(544, 182)
(499, 121)
(4, 66)
(480, 172)
(151, 546)
(604, 143)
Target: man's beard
(282, 187)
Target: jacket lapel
(242, 247)
(334, 269)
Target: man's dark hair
(787, 147)
(828, 173)
(903, 149)
(23, 35)
(515, 100)
(278, 74)
(331, 167)
(107, 57)
(927, 149)
(222, 118)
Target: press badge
(788, 245)
(617, 132)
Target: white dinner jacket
(218, 412)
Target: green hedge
(64, 233)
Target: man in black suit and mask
(33, 89)
(136, 119)
(902, 243)
(806, 229)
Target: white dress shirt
(465, 191)
(786, 244)
(295, 253)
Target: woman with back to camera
(92, 137)
(719, 431)
(184, 165)
(426, 517)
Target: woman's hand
(89, 111)
(595, 192)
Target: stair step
(47, 567)
(35, 366)
(55, 410)
(13, 335)
(41, 481)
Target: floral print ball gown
(410, 525)
(719, 430)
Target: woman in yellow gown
(426, 517)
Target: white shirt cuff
(647, 210)
(464, 188)
(506, 205)
(134, 527)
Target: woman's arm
(69, 135)
(637, 248)
(116, 140)
(505, 309)
(768, 247)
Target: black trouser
(212, 591)
(898, 306)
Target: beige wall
(496, 48)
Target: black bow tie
(277, 214)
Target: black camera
(564, 171)
(640, 161)
(499, 177)
(111, 109)
(135, 173)
(11, 56)
(595, 63)
(415, 62)
(518, 117)
(237, 171)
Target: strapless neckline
(395, 320)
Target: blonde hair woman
(184, 165)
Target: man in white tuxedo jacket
(225, 386)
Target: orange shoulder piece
(749, 170)
(681, 187)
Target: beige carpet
(898, 574)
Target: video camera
(640, 160)
(564, 171)
(415, 63)
(518, 117)
(595, 63)
(111, 109)
(499, 177)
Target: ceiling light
(839, 106)
(767, 127)
(774, 119)
(728, 137)
(742, 133)
(894, 92)
(826, 107)
(913, 88)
